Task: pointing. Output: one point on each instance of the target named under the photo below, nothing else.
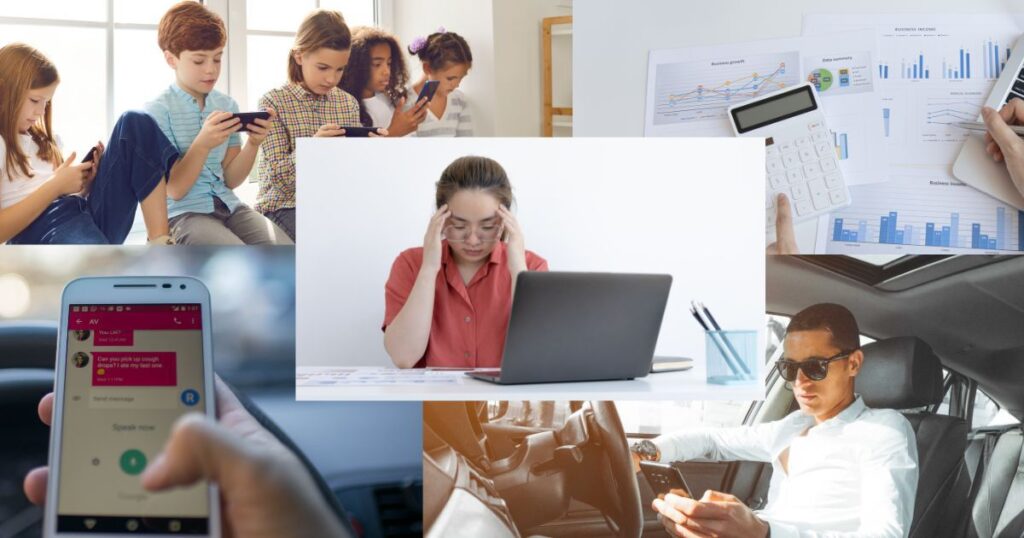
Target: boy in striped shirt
(201, 207)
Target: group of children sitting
(180, 159)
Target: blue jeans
(136, 160)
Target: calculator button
(802, 141)
(807, 155)
(774, 165)
(819, 194)
(794, 175)
(791, 160)
(787, 147)
(824, 150)
(799, 191)
(812, 170)
(803, 207)
(815, 126)
(771, 151)
(777, 181)
(819, 137)
(769, 200)
(828, 165)
(837, 196)
(833, 180)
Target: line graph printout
(689, 91)
(931, 71)
(700, 90)
(924, 211)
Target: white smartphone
(133, 355)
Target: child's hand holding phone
(405, 121)
(259, 128)
(71, 178)
(217, 128)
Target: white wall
(692, 208)
(613, 38)
(518, 54)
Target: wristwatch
(647, 450)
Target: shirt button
(468, 319)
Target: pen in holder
(731, 357)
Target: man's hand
(718, 515)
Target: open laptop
(581, 327)
(975, 167)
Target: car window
(987, 413)
(639, 418)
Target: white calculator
(802, 156)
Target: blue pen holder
(731, 357)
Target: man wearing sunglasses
(839, 468)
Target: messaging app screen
(131, 371)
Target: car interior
(378, 492)
(942, 340)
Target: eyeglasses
(815, 368)
(458, 233)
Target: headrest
(900, 373)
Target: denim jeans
(136, 160)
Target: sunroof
(873, 269)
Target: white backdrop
(692, 208)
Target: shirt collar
(497, 255)
(846, 416)
(184, 95)
(303, 94)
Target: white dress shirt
(854, 475)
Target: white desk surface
(685, 385)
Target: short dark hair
(831, 317)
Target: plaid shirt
(300, 114)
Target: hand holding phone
(134, 355)
(361, 132)
(664, 479)
(249, 118)
(428, 91)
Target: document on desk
(689, 90)
(921, 211)
(327, 376)
(932, 71)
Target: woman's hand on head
(513, 234)
(432, 245)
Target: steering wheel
(623, 514)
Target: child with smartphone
(310, 105)
(48, 199)
(200, 122)
(446, 58)
(377, 76)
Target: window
(639, 418)
(79, 36)
(987, 413)
(270, 27)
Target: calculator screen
(773, 109)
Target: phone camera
(182, 286)
(167, 286)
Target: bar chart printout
(924, 215)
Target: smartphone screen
(131, 370)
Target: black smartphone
(248, 118)
(359, 132)
(428, 91)
(665, 479)
(90, 156)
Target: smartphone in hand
(133, 355)
(664, 479)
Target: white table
(685, 385)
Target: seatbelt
(988, 446)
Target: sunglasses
(815, 368)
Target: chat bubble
(134, 369)
(114, 337)
(127, 398)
